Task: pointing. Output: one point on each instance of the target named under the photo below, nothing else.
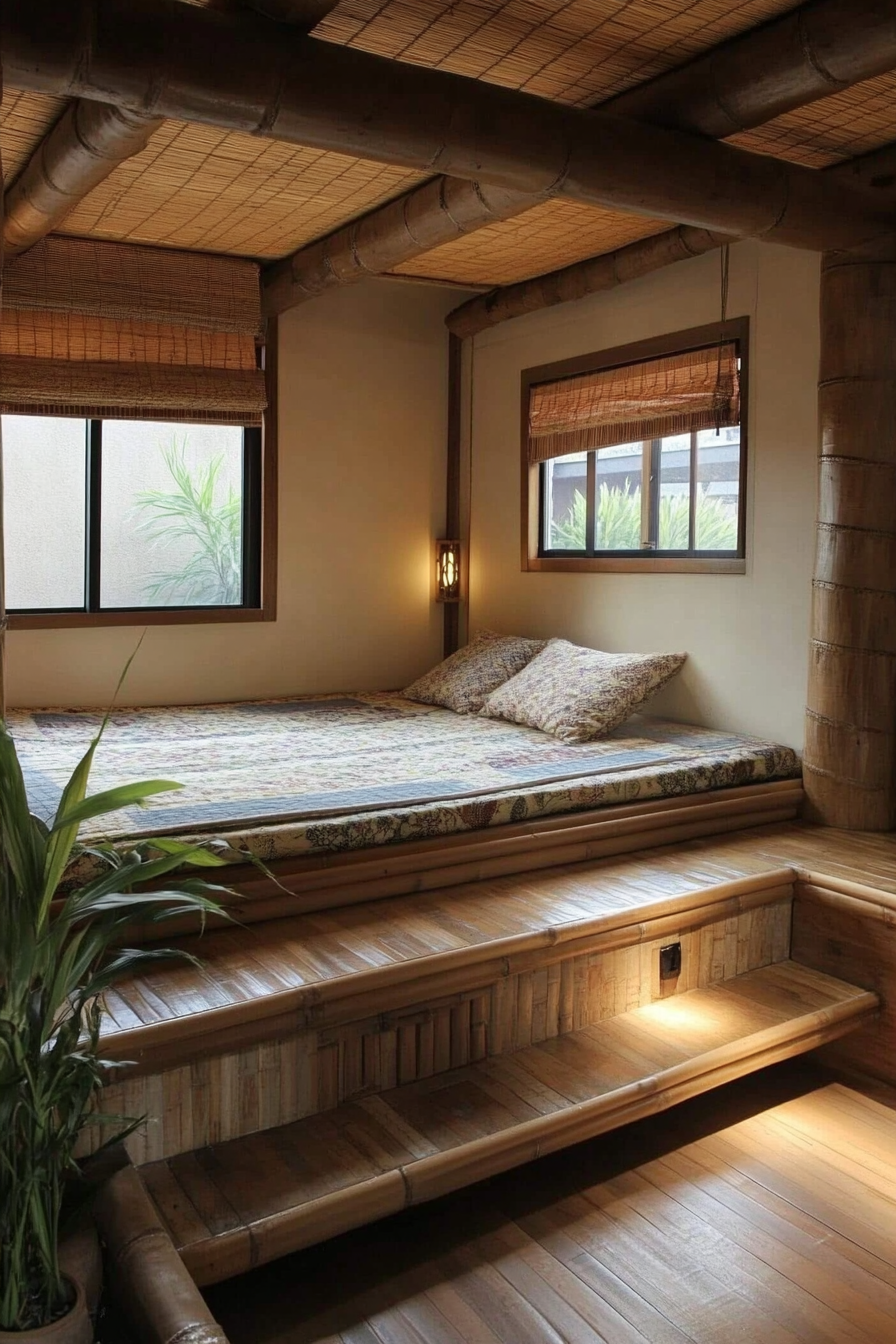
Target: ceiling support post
(850, 759)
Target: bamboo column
(850, 762)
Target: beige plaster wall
(362, 484)
(746, 636)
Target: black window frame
(537, 557)
(93, 612)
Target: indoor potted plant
(61, 946)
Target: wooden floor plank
(834, 1281)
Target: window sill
(85, 620)
(633, 565)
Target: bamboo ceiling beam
(792, 61)
(82, 149)
(876, 171)
(243, 73)
(91, 139)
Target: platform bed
(352, 797)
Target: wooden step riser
(354, 995)
(848, 930)
(328, 881)
(372, 875)
(429, 1178)
(260, 1084)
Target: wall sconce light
(447, 571)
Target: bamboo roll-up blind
(676, 394)
(111, 331)
(119, 280)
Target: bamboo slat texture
(577, 54)
(322, 881)
(322, 966)
(234, 1084)
(197, 188)
(292, 1017)
(240, 1204)
(25, 118)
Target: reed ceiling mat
(198, 187)
(574, 51)
(25, 119)
(556, 233)
(851, 122)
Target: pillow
(579, 694)
(464, 679)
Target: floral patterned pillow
(579, 694)
(464, 679)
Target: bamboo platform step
(325, 968)
(251, 1200)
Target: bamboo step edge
(382, 989)
(257, 1242)
(551, 851)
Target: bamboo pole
(584, 277)
(850, 758)
(91, 139)
(451, 617)
(803, 56)
(165, 58)
(82, 149)
(158, 1295)
(875, 171)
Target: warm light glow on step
(679, 1012)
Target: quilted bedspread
(336, 772)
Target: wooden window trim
(530, 496)
(266, 610)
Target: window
(113, 520)
(138, 397)
(668, 496)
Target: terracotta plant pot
(75, 1327)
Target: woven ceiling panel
(25, 119)
(200, 188)
(839, 127)
(554, 234)
(197, 188)
(575, 52)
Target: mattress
(280, 778)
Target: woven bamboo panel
(576, 53)
(201, 188)
(842, 126)
(275, 1082)
(556, 233)
(25, 119)
(72, 336)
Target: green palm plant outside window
(618, 522)
(201, 511)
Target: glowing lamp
(447, 571)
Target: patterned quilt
(284, 777)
